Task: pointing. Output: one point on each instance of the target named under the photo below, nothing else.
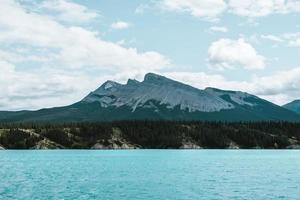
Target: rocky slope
(158, 98)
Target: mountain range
(293, 106)
(159, 98)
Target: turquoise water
(150, 174)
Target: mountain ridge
(158, 98)
(293, 106)
(165, 90)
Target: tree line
(153, 134)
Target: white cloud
(283, 81)
(120, 25)
(33, 89)
(66, 61)
(212, 9)
(7, 71)
(209, 9)
(227, 53)
(289, 6)
(69, 11)
(289, 39)
(261, 8)
(252, 8)
(272, 38)
(43, 88)
(72, 61)
(293, 39)
(280, 88)
(219, 29)
(142, 8)
(75, 46)
(202, 80)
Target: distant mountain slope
(293, 106)
(159, 98)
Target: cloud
(289, 39)
(202, 80)
(120, 25)
(272, 38)
(212, 9)
(254, 8)
(293, 39)
(43, 88)
(7, 71)
(69, 11)
(142, 8)
(280, 88)
(33, 89)
(59, 63)
(227, 53)
(74, 46)
(209, 9)
(219, 29)
(46, 62)
(282, 81)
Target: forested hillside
(150, 134)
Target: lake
(150, 174)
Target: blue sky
(54, 52)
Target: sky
(54, 52)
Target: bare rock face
(294, 143)
(233, 145)
(116, 142)
(188, 144)
(113, 144)
(159, 98)
(47, 144)
(98, 145)
(136, 94)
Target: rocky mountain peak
(132, 82)
(155, 78)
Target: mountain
(293, 106)
(158, 98)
